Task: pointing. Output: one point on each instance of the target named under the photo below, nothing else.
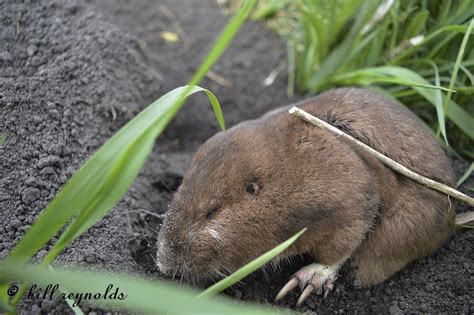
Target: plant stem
(397, 167)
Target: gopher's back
(386, 126)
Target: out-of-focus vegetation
(394, 46)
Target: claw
(289, 286)
(314, 277)
(328, 286)
(306, 292)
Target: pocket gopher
(255, 185)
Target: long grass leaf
(268, 8)
(438, 102)
(249, 268)
(372, 75)
(121, 176)
(455, 113)
(465, 176)
(417, 23)
(458, 63)
(290, 88)
(91, 177)
(226, 36)
(468, 73)
(359, 47)
(428, 38)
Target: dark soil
(73, 72)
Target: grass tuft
(419, 52)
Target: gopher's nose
(169, 253)
(167, 260)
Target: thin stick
(385, 160)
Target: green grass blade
(438, 102)
(121, 176)
(455, 113)
(142, 295)
(429, 38)
(440, 45)
(223, 41)
(417, 23)
(465, 176)
(359, 47)
(465, 89)
(315, 25)
(268, 8)
(458, 63)
(372, 75)
(90, 179)
(290, 88)
(216, 107)
(468, 73)
(218, 48)
(249, 268)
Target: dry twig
(397, 167)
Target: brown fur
(352, 205)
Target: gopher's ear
(345, 125)
(341, 124)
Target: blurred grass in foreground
(394, 46)
(141, 294)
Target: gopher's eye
(252, 188)
(211, 212)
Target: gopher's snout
(166, 261)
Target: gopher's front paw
(312, 277)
